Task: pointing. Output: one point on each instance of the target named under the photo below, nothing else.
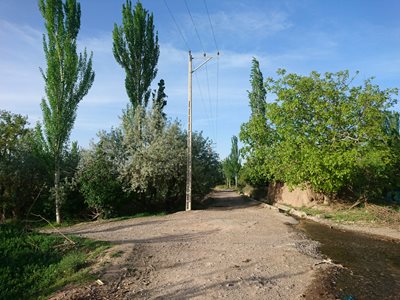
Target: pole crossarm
(202, 64)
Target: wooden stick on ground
(59, 232)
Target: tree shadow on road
(110, 227)
(228, 200)
(186, 289)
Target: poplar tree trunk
(3, 214)
(57, 191)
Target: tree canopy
(136, 49)
(323, 132)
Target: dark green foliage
(258, 93)
(33, 264)
(207, 171)
(68, 78)
(135, 48)
(160, 98)
(23, 166)
(12, 133)
(98, 175)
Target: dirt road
(236, 249)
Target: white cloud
(24, 33)
(100, 45)
(250, 22)
(242, 24)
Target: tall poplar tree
(136, 49)
(68, 78)
(160, 99)
(258, 93)
(234, 159)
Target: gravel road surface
(235, 249)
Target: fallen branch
(58, 231)
(329, 262)
(34, 200)
(358, 202)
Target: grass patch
(41, 224)
(311, 211)
(371, 213)
(67, 223)
(117, 253)
(34, 265)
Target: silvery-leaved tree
(68, 77)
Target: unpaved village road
(236, 249)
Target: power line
(209, 98)
(212, 28)
(203, 102)
(177, 26)
(217, 48)
(195, 28)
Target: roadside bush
(98, 175)
(33, 264)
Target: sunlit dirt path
(235, 249)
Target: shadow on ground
(227, 200)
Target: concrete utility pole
(189, 140)
(189, 136)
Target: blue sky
(299, 35)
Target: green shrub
(33, 264)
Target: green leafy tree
(12, 131)
(228, 172)
(23, 166)
(98, 175)
(327, 134)
(68, 78)
(206, 166)
(234, 159)
(256, 134)
(136, 49)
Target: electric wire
(217, 48)
(210, 111)
(209, 101)
(195, 27)
(177, 26)
(206, 112)
(208, 81)
(212, 27)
